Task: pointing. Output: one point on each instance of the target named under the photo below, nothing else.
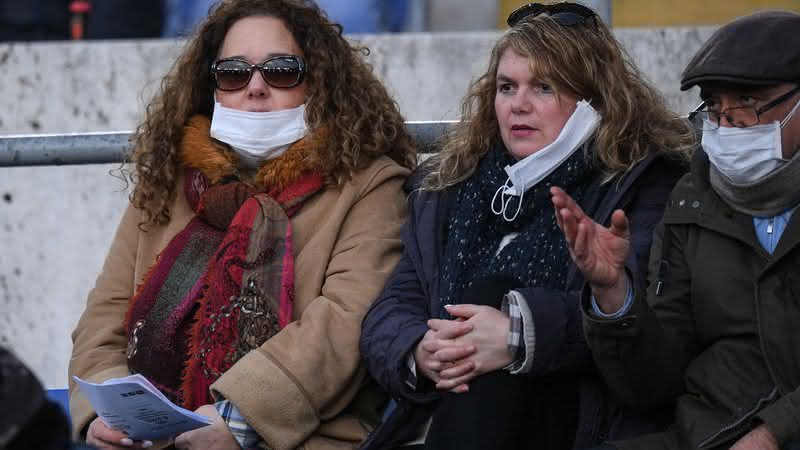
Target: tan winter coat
(303, 387)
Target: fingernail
(147, 444)
(126, 442)
(447, 306)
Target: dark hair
(361, 120)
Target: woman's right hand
(105, 438)
(598, 252)
(438, 350)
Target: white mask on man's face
(745, 155)
(258, 135)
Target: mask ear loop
(503, 203)
(505, 199)
(791, 114)
(519, 207)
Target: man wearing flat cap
(715, 330)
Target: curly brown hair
(345, 98)
(586, 61)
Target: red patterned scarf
(225, 283)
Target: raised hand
(598, 252)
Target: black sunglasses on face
(283, 72)
(565, 14)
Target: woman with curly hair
(264, 221)
(477, 334)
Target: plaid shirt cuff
(516, 337)
(244, 434)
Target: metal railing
(113, 147)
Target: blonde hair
(586, 61)
(346, 99)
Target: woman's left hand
(489, 335)
(216, 436)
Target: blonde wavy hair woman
(478, 330)
(264, 220)
(635, 120)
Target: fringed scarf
(225, 283)
(537, 257)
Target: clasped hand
(453, 352)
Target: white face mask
(257, 136)
(532, 169)
(745, 155)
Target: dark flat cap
(759, 49)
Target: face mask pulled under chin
(258, 136)
(532, 169)
(745, 155)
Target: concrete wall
(462, 15)
(56, 223)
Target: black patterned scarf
(537, 256)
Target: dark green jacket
(721, 338)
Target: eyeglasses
(707, 119)
(565, 14)
(232, 74)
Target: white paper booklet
(133, 405)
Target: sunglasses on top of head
(283, 72)
(565, 14)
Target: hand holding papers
(132, 405)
